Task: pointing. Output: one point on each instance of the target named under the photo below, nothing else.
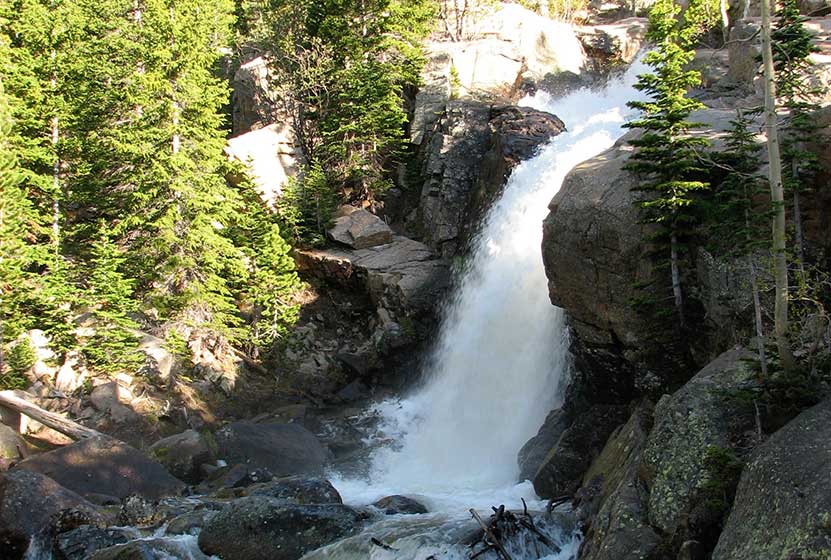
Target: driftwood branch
(491, 538)
(57, 422)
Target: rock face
(665, 477)
(783, 502)
(563, 466)
(253, 100)
(283, 449)
(29, 504)
(183, 454)
(466, 152)
(507, 46)
(613, 44)
(269, 155)
(263, 528)
(359, 229)
(698, 418)
(613, 501)
(105, 466)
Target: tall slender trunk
(797, 221)
(757, 304)
(777, 197)
(56, 162)
(175, 108)
(725, 21)
(676, 278)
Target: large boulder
(533, 453)
(152, 549)
(283, 449)
(400, 505)
(270, 157)
(81, 543)
(783, 504)
(507, 46)
(30, 505)
(12, 446)
(613, 44)
(182, 454)
(263, 528)
(105, 466)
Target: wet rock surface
(183, 454)
(102, 465)
(264, 528)
(81, 543)
(394, 505)
(297, 490)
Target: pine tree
(792, 46)
(666, 154)
(109, 297)
(739, 229)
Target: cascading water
(501, 358)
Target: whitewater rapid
(501, 361)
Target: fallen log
(57, 422)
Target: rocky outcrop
(263, 528)
(30, 506)
(403, 279)
(253, 99)
(563, 466)
(283, 449)
(783, 502)
(466, 151)
(104, 466)
(270, 157)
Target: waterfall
(500, 362)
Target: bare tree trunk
(757, 303)
(725, 21)
(777, 197)
(56, 163)
(676, 278)
(57, 422)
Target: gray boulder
(103, 465)
(152, 549)
(533, 453)
(30, 504)
(263, 528)
(359, 229)
(699, 420)
(283, 449)
(396, 505)
(783, 504)
(297, 490)
(183, 454)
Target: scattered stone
(396, 504)
(183, 454)
(283, 449)
(102, 465)
(263, 528)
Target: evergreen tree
(738, 228)
(666, 154)
(109, 297)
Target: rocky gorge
(658, 444)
